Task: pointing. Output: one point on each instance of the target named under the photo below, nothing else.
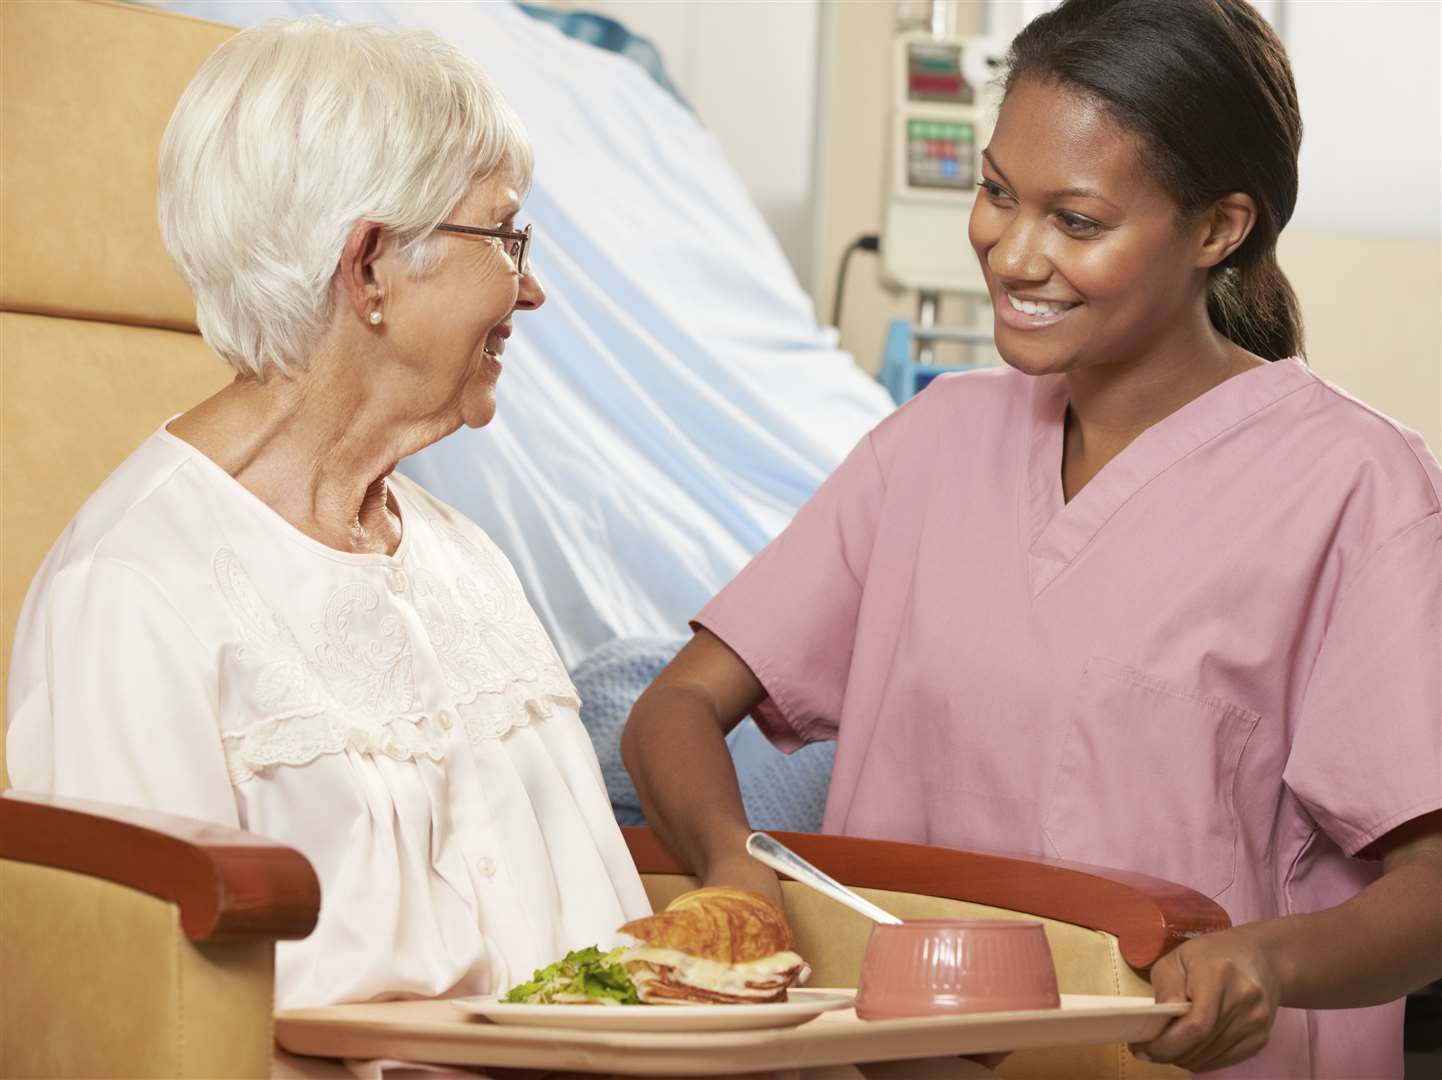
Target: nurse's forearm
(1378, 946)
(675, 749)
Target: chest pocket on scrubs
(1145, 779)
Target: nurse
(1153, 596)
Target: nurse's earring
(376, 317)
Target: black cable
(865, 242)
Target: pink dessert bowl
(938, 967)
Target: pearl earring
(376, 318)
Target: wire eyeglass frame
(518, 246)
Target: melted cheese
(710, 974)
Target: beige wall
(1372, 306)
(1372, 303)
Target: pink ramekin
(929, 967)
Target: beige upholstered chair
(141, 944)
(137, 944)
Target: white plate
(803, 1005)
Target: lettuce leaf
(586, 973)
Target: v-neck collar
(1056, 531)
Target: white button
(396, 581)
(486, 865)
(445, 719)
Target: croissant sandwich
(719, 946)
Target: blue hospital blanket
(781, 791)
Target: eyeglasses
(517, 244)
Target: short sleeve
(791, 614)
(128, 710)
(1366, 753)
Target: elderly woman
(253, 621)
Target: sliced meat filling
(661, 984)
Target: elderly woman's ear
(358, 277)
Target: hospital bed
(141, 944)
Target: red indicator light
(950, 85)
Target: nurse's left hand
(1234, 988)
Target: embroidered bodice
(402, 720)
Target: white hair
(293, 131)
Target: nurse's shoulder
(972, 413)
(1381, 473)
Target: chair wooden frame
(232, 885)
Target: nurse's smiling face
(1083, 251)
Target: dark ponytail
(1206, 86)
(1255, 306)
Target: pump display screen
(933, 73)
(940, 154)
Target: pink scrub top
(1218, 664)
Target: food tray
(435, 1031)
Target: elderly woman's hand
(1234, 988)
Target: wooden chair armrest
(230, 885)
(1148, 916)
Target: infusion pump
(943, 106)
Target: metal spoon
(785, 861)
